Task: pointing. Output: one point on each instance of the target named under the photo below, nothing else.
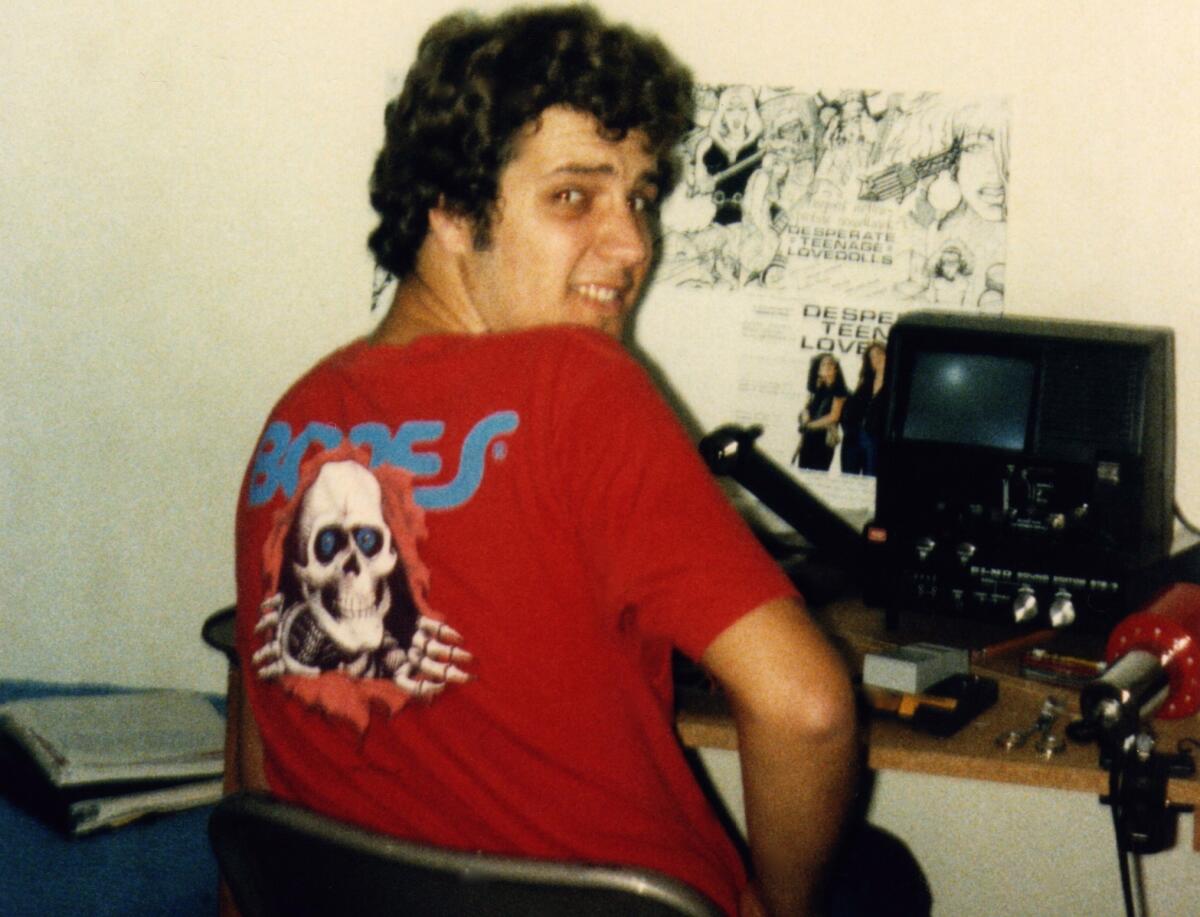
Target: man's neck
(422, 307)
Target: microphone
(1154, 665)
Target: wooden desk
(972, 752)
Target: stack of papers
(94, 761)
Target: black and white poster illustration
(804, 224)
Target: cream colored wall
(183, 213)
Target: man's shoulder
(553, 357)
(582, 349)
(325, 376)
(564, 342)
(345, 383)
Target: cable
(1134, 770)
(1186, 744)
(1115, 775)
(1185, 521)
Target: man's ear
(453, 231)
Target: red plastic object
(1169, 627)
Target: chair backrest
(218, 632)
(281, 860)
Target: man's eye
(571, 196)
(643, 203)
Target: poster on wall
(804, 225)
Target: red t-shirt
(533, 492)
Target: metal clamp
(1047, 743)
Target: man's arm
(794, 709)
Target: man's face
(983, 186)
(570, 239)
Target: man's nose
(625, 236)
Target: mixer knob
(1024, 605)
(1062, 609)
(924, 548)
(965, 552)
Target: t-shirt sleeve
(660, 536)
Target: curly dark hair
(477, 81)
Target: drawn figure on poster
(728, 151)
(777, 189)
(863, 415)
(947, 165)
(847, 143)
(726, 229)
(949, 272)
(819, 423)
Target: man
(468, 544)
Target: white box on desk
(914, 668)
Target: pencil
(1004, 647)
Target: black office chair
(281, 860)
(217, 632)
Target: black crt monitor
(1036, 447)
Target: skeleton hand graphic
(432, 660)
(272, 659)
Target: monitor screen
(970, 399)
